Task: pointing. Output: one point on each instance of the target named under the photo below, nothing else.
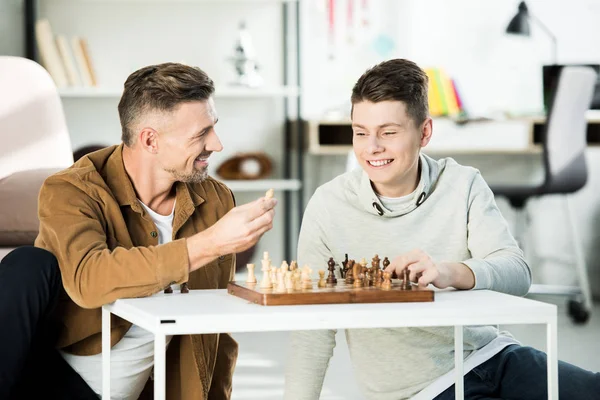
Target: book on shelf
(50, 56)
(67, 61)
(84, 62)
(444, 98)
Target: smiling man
(438, 220)
(132, 220)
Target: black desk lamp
(519, 25)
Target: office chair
(565, 172)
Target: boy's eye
(359, 133)
(389, 133)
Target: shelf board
(263, 185)
(220, 92)
(197, 1)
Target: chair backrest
(565, 136)
(33, 130)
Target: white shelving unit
(220, 91)
(273, 109)
(264, 184)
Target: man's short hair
(398, 79)
(160, 87)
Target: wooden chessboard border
(338, 294)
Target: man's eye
(389, 133)
(359, 133)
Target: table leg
(459, 385)
(105, 354)
(159, 366)
(552, 357)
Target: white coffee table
(216, 311)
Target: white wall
(495, 73)
(126, 35)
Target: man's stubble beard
(196, 176)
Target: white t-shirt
(132, 358)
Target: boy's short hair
(160, 87)
(398, 79)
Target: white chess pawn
(266, 281)
(284, 266)
(306, 279)
(289, 282)
(251, 277)
(274, 275)
(297, 279)
(280, 288)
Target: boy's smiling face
(387, 143)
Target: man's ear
(426, 131)
(148, 139)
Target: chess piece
(375, 262)
(289, 283)
(365, 275)
(331, 280)
(344, 270)
(270, 193)
(251, 277)
(280, 288)
(387, 281)
(386, 262)
(284, 266)
(358, 281)
(377, 278)
(321, 282)
(293, 266)
(350, 273)
(405, 281)
(274, 275)
(306, 279)
(297, 279)
(266, 281)
(184, 288)
(356, 269)
(168, 290)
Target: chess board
(341, 293)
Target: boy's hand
(422, 269)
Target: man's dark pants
(30, 366)
(519, 373)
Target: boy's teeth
(379, 163)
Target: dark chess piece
(184, 288)
(358, 281)
(405, 281)
(331, 280)
(350, 272)
(350, 275)
(375, 262)
(386, 262)
(378, 277)
(344, 270)
(387, 281)
(168, 290)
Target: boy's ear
(426, 131)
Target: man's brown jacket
(107, 248)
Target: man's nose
(214, 143)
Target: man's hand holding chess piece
(237, 231)
(423, 271)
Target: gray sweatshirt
(453, 217)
